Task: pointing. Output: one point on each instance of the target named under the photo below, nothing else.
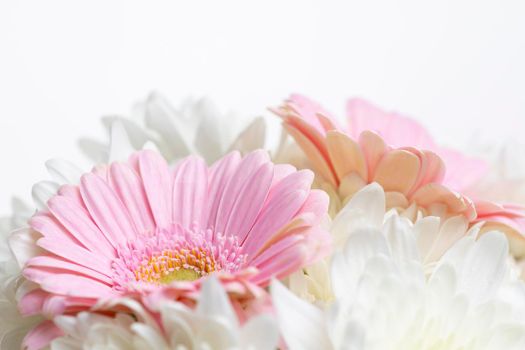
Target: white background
(457, 66)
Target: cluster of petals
(433, 237)
(145, 229)
(212, 324)
(187, 235)
(401, 156)
(192, 127)
(383, 297)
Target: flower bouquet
(193, 231)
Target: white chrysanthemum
(13, 326)
(195, 127)
(384, 300)
(213, 324)
(366, 209)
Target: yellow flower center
(181, 265)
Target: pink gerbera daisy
(400, 155)
(135, 228)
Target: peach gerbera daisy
(397, 153)
(139, 227)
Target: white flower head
(383, 300)
(195, 127)
(213, 324)
(366, 210)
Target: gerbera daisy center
(175, 254)
(181, 265)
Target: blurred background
(456, 66)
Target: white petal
(42, 192)
(365, 209)
(150, 336)
(214, 334)
(136, 134)
(63, 172)
(426, 231)
(362, 245)
(213, 302)
(398, 232)
(452, 230)
(209, 140)
(151, 146)
(260, 333)
(176, 319)
(302, 325)
(66, 343)
(23, 245)
(169, 124)
(120, 147)
(94, 150)
(251, 138)
(508, 337)
(486, 266)
(21, 212)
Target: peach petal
(396, 200)
(373, 148)
(350, 184)
(398, 171)
(432, 168)
(326, 122)
(436, 193)
(313, 153)
(345, 154)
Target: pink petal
(48, 226)
(316, 205)
(41, 336)
(42, 264)
(74, 285)
(250, 202)
(244, 173)
(396, 130)
(54, 305)
(189, 192)
(462, 171)
(157, 183)
(77, 254)
(107, 210)
(32, 302)
(72, 192)
(283, 203)
(280, 171)
(280, 259)
(275, 249)
(219, 176)
(128, 187)
(78, 223)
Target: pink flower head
(135, 228)
(396, 152)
